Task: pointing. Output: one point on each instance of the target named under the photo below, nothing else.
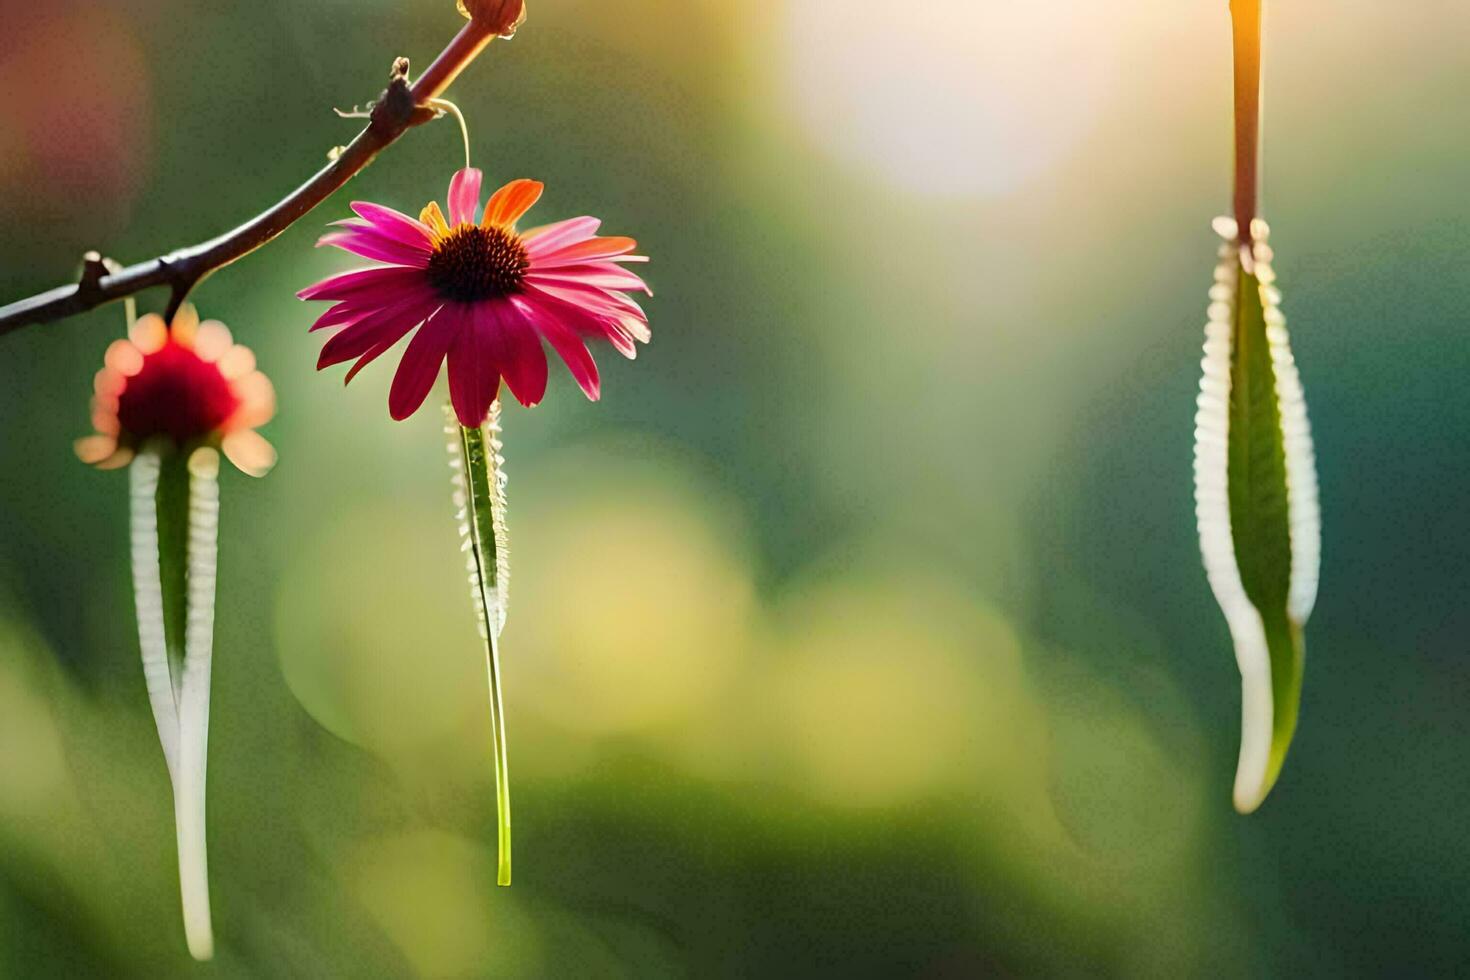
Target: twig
(1246, 16)
(402, 106)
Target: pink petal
(599, 302)
(565, 341)
(377, 351)
(342, 313)
(385, 326)
(474, 377)
(603, 275)
(353, 284)
(549, 238)
(373, 244)
(420, 365)
(464, 196)
(518, 349)
(618, 329)
(588, 251)
(396, 224)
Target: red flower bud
(501, 16)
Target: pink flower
(482, 295)
(189, 383)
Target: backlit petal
(420, 365)
(237, 362)
(509, 204)
(386, 325)
(373, 244)
(522, 360)
(549, 238)
(396, 225)
(343, 313)
(212, 340)
(474, 376)
(464, 195)
(124, 358)
(249, 451)
(148, 333)
(590, 250)
(121, 457)
(257, 401)
(433, 217)
(354, 283)
(185, 325)
(567, 343)
(94, 449)
(603, 275)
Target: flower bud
(501, 16)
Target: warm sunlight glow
(951, 97)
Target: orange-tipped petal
(257, 401)
(123, 358)
(104, 418)
(237, 362)
(212, 340)
(94, 449)
(249, 451)
(593, 249)
(186, 325)
(148, 333)
(509, 204)
(433, 216)
(109, 382)
(122, 457)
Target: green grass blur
(860, 630)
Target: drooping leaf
(1256, 497)
(175, 521)
(189, 795)
(148, 601)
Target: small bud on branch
(500, 16)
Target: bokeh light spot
(630, 602)
(375, 629)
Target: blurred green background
(860, 629)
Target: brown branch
(1246, 18)
(402, 106)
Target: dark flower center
(175, 394)
(473, 263)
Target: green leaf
(1256, 494)
(175, 522)
(173, 555)
(1259, 509)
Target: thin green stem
(444, 105)
(484, 528)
